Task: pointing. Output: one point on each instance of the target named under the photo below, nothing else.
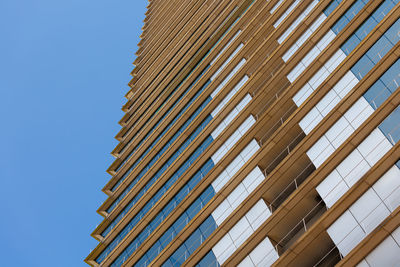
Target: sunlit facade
(258, 133)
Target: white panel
(237, 196)
(363, 263)
(228, 77)
(311, 55)
(396, 235)
(231, 115)
(328, 102)
(352, 240)
(346, 233)
(244, 102)
(245, 155)
(226, 61)
(310, 7)
(220, 181)
(240, 232)
(264, 254)
(253, 179)
(258, 214)
(217, 156)
(318, 22)
(287, 12)
(290, 52)
(365, 205)
(339, 132)
(296, 72)
(297, 21)
(249, 150)
(388, 185)
(328, 184)
(342, 227)
(276, 6)
(359, 112)
(218, 130)
(246, 262)
(377, 216)
(246, 125)
(374, 147)
(320, 151)
(328, 37)
(235, 165)
(344, 86)
(318, 78)
(232, 140)
(229, 118)
(337, 192)
(335, 60)
(331, 188)
(226, 46)
(353, 167)
(386, 254)
(224, 248)
(222, 212)
(303, 94)
(388, 182)
(311, 120)
(303, 38)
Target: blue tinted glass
(209, 260)
(340, 24)
(194, 208)
(383, 10)
(362, 67)
(350, 44)
(208, 226)
(153, 251)
(207, 194)
(168, 263)
(180, 222)
(392, 76)
(193, 242)
(178, 257)
(377, 94)
(379, 49)
(167, 237)
(354, 9)
(366, 28)
(390, 126)
(329, 9)
(194, 180)
(142, 262)
(393, 33)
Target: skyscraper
(258, 133)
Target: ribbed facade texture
(258, 133)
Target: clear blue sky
(64, 69)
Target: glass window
(208, 260)
(194, 241)
(366, 28)
(377, 94)
(392, 76)
(362, 67)
(379, 49)
(329, 9)
(390, 126)
(393, 33)
(350, 44)
(208, 226)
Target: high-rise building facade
(258, 133)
